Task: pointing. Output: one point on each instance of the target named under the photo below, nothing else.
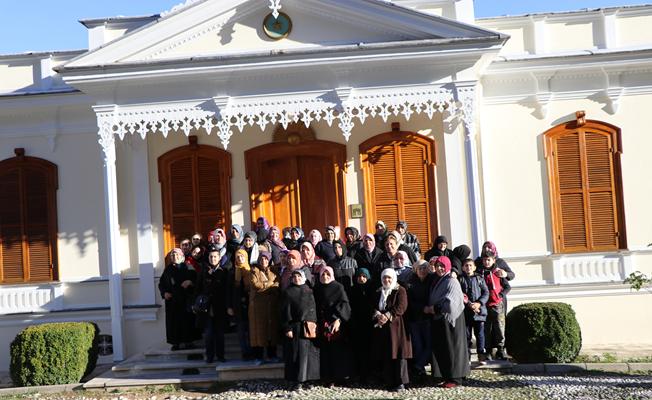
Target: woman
(324, 249)
(449, 346)
(314, 237)
(369, 258)
(343, 266)
(275, 244)
(361, 326)
(392, 346)
(262, 230)
(235, 239)
(419, 324)
(177, 288)
(402, 266)
(333, 313)
(353, 241)
(294, 263)
(251, 247)
(299, 351)
(310, 259)
(263, 309)
(295, 239)
(241, 288)
(381, 234)
(214, 283)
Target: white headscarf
(385, 290)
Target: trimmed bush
(543, 333)
(54, 354)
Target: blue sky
(42, 25)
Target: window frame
(580, 124)
(50, 170)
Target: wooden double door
(298, 184)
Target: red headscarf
(445, 261)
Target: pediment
(230, 27)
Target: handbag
(309, 330)
(202, 303)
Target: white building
(463, 127)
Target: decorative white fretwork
(275, 6)
(223, 114)
(178, 7)
(466, 95)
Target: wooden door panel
(279, 191)
(318, 193)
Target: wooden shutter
(28, 226)
(584, 187)
(399, 182)
(196, 191)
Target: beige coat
(264, 295)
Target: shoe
(448, 385)
(175, 347)
(500, 354)
(297, 386)
(482, 358)
(399, 388)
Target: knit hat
(441, 239)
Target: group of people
(361, 308)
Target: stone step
(248, 370)
(147, 367)
(187, 382)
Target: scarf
(311, 257)
(278, 242)
(385, 290)
(240, 231)
(315, 237)
(239, 268)
(492, 248)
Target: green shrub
(53, 354)
(543, 332)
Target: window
(196, 191)
(585, 186)
(400, 182)
(28, 219)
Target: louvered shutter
(584, 190)
(414, 173)
(27, 220)
(398, 171)
(195, 191)
(36, 225)
(10, 227)
(182, 199)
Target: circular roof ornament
(277, 28)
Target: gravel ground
(479, 386)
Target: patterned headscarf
(278, 242)
(318, 238)
(239, 268)
(177, 250)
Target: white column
(147, 248)
(107, 141)
(466, 95)
(457, 231)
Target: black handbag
(202, 303)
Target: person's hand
(501, 273)
(335, 326)
(475, 307)
(382, 319)
(230, 311)
(288, 334)
(167, 295)
(428, 310)
(453, 274)
(186, 284)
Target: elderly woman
(392, 346)
(343, 266)
(240, 301)
(263, 308)
(314, 237)
(294, 263)
(300, 352)
(177, 288)
(446, 304)
(215, 284)
(361, 325)
(333, 313)
(310, 259)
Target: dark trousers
(475, 328)
(214, 340)
(259, 352)
(420, 332)
(494, 327)
(395, 372)
(243, 337)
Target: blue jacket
(475, 289)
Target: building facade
(528, 131)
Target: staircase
(186, 368)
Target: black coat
(344, 269)
(370, 261)
(325, 250)
(216, 283)
(179, 319)
(418, 292)
(335, 352)
(301, 355)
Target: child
(494, 329)
(476, 295)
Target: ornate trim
(466, 95)
(346, 105)
(275, 6)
